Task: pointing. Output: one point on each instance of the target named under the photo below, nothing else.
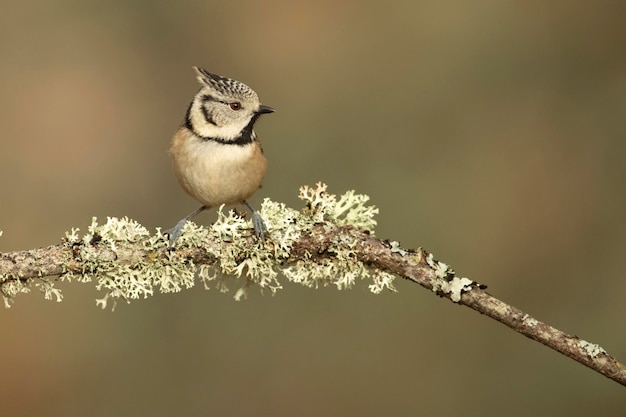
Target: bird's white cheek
(231, 130)
(222, 129)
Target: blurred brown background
(491, 133)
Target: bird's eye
(235, 105)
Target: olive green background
(492, 133)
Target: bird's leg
(175, 231)
(257, 222)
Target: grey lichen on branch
(126, 262)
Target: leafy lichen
(123, 281)
(11, 287)
(236, 253)
(446, 281)
(591, 349)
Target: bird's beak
(265, 109)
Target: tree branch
(327, 243)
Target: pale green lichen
(49, 290)
(395, 248)
(236, 253)
(446, 281)
(382, 280)
(343, 269)
(455, 287)
(591, 349)
(349, 210)
(442, 270)
(260, 264)
(12, 287)
(121, 281)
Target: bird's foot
(257, 222)
(174, 232)
(259, 226)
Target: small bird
(216, 155)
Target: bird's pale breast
(215, 173)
